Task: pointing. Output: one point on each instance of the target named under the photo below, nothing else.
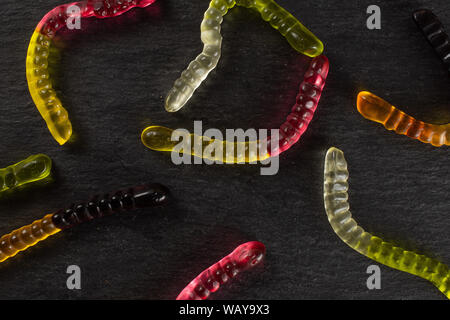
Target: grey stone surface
(113, 77)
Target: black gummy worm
(434, 31)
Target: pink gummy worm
(242, 258)
(56, 18)
(306, 104)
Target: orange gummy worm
(376, 109)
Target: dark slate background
(113, 77)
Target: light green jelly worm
(338, 212)
(299, 37)
(34, 168)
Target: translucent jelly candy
(39, 83)
(33, 168)
(160, 138)
(434, 32)
(376, 109)
(300, 38)
(242, 258)
(338, 212)
(132, 198)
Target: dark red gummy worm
(143, 196)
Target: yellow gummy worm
(340, 218)
(33, 168)
(298, 36)
(160, 139)
(41, 90)
(27, 236)
(38, 77)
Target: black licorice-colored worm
(433, 30)
(144, 196)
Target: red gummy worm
(113, 8)
(306, 104)
(245, 256)
(56, 18)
